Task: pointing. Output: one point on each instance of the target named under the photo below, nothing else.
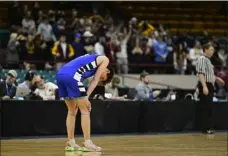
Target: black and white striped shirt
(204, 66)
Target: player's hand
(205, 91)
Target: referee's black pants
(205, 112)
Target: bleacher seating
(3, 15)
(190, 17)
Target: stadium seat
(179, 15)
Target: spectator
(134, 24)
(61, 23)
(160, 52)
(74, 26)
(92, 27)
(40, 17)
(78, 46)
(45, 29)
(122, 55)
(150, 42)
(28, 23)
(223, 56)
(146, 28)
(29, 80)
(7, 87)
(13, 55)
(82, 25)
(137, 55)
(45, 90)
(137, 49)
(223, 74)
(88, 45)
(179, 60)
(143, 92)
(108, 20)
(21, 38)
(194, 54)
(112, 89)
(62, 51)
(170, 47)
(109, 50)
(30, 47)
(47, 34)
(215, 60)
(41, 52)
(99, 46)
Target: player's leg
(77, 91)
(85, 108)
(70, 123)
(72, 111)
(83, 104)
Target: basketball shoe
(72, 146)
(91, 147)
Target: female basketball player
(69, 80)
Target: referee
(207, 79)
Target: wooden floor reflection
(148, 145)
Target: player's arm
(103, 62)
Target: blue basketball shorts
(69, 88)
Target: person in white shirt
(45, 90)
(45, 29)
(122, 56)
(28, 23)
(194, 54)
(99, 48)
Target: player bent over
(69, 80)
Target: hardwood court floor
(147, 145)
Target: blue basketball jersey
(80, 68)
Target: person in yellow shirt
(62, 51)
(146, 28)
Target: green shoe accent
(79, 149)
(83, 149)
(70, 149)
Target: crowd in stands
(46, 40)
